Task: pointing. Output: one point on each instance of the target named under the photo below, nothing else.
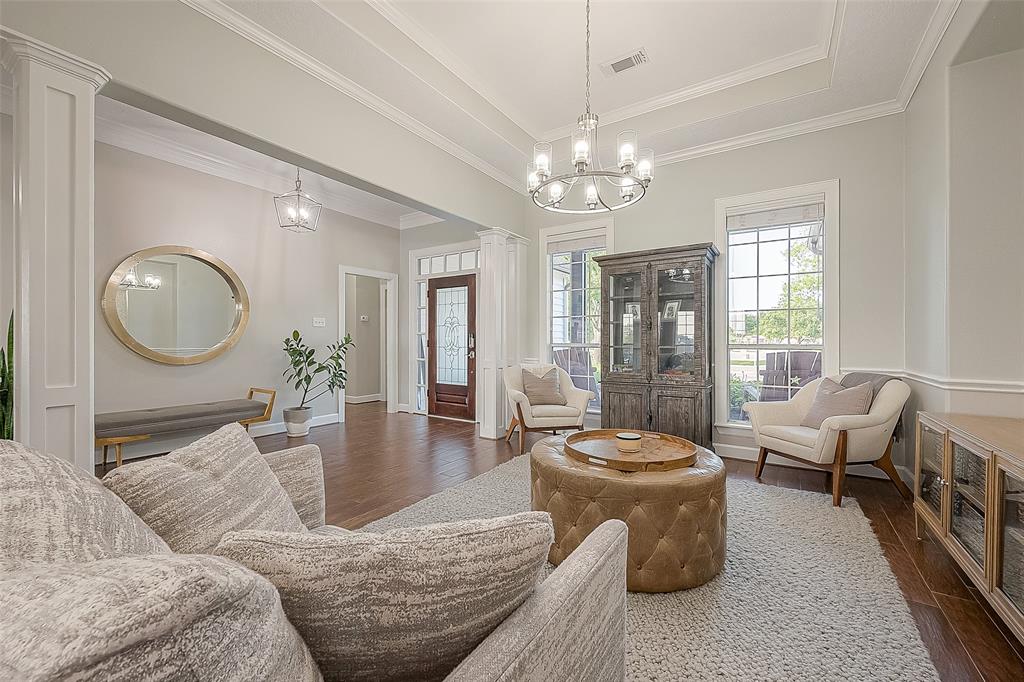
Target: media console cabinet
(969, 491)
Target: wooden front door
(451, 347)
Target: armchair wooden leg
(522, 441)
(511, 429)
(886, 465)
(839, 470)
(762, 456)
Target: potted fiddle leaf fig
(313, 377)
(7, 385)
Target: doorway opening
(368, 313)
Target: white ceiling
(484, 80)
(529, 58)
(139, 131)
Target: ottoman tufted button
(637, 503)
(661, 535)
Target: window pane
(592, 300)
(421, 399)
(773, 292)
(592, 330)
(805, 291)
(423, 294)
(577, 275)
(468, 260)
(436, 264)
(424, 266)
(804, 230)
(560, 278)
(773, 367)
(421, 372)
(560, 330)
(805, 327)
(577, 302)
(743, 237)
(743, 260)
(802, 257)
(744, 382)
(743, 326)
(421, 347)
(451, 262)
(593, 270)
(422, 329)
(773, 234)
(560, 259)
(560, 303)
(583, 365)
(742, 294)
(576, 329)
(773, 258)
(577, 256)
(773, 326)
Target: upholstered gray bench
(118, 428)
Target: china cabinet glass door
(1010, 566)
(675, 320)
(625, 315)
(967, 510)
(930, 483)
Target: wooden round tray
(658, 451)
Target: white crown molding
(250, 30)
(417, 219)
(375, 4)
(18, 46)
(123, 136)
(811, 125)
(436, 49)
(937, 25)
(752, 73)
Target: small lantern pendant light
(297, 211)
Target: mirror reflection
(175, 305)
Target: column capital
(502, 232)
(18, 47)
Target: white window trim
(604, 227)
(414, 279)
(826, 191)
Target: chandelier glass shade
(296, 210)
(131, 281)
(588, 186)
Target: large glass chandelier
(589, 187)
(296, 210)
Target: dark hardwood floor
(376, 464)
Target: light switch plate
(364, 318)
(319, 321)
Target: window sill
(734, 428)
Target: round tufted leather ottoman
(676, 518)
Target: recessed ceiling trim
(937, 26)
(812, 125)
(417, 219)
(258, 35)
(436, 49)
(130, 138)
(440, 92)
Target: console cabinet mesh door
(451, 347)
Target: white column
(499, 309)
(54, 96)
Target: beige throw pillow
(197, 493)
(408, 604)
(833, 400)
(542, 390)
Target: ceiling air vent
(625, 62)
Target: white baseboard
(404, 407)
(750, 454)
(268, 429)
(369, 398)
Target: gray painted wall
(290, 278)
(363, 297)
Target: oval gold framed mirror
(176, 305)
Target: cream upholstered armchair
(841, 440)
(552, 418)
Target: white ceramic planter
(296, 421)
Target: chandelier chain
(588, 56)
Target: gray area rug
(806, 593)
